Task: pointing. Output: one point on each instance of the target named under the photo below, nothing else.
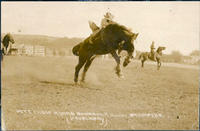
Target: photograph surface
(100, 65)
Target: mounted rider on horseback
(152, 53)
(108, 19)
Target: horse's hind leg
(86, 67)
(159, 65)
(78, 67)
(142, 63)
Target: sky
(175, 25)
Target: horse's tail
(75, 50)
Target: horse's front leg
(86, 67)
(117, 59)
(142, 61)
(78, 67)
(158, 65)
(8, 49)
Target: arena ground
(39, 93)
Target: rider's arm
(104, 22)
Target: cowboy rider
(152, 47)
(108, 19)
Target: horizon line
(75, 37)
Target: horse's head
(10, 38)
(160, 49)
(129, 47)
(125, 39)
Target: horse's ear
(135, 35)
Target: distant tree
(176, 56)
(195, 53)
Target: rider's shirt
(152, 46)
(105, 22)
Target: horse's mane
(114, 29)
(123, 27)
(117, 26)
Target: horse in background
(108, 40)
(147, 56)
(6, 45)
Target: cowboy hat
(108, 15)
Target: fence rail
(30, 50)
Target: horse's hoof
(75, 80)
(82, 81)
(125, 64)
(75, 84)
(82, 84)
(121, 77)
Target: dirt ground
(38, 93)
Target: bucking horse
(110, 39)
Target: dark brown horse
(5, 45)
(108, 40)
(147, 55)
